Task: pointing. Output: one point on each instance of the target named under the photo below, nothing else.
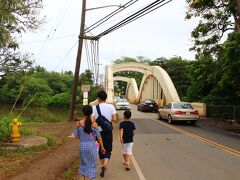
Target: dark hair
(102, 95)
(87, 111)
(127, 114)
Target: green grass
(22, 152)
(70, 173)
(5, 128)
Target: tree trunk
(237, 16)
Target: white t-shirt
(107, 110)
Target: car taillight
(195, 113)
(180, 112)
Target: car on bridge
(122, 104)
(178, 111)
(147, 105)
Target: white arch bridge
(156, 83)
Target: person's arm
(99, 138)
(78, 124)
(95, 125)
(114, 114)
(121, 135)
(76, 133)
(114, 117)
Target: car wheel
(170, 121)
(159, 116)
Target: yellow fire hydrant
(15, 130)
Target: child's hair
(127, 114)
(87, 111)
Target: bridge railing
(226, 112)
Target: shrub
(62, 99)
(5, 128)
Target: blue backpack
(103, 122)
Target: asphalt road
(178, 152)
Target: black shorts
(107, 143)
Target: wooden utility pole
(78, 62)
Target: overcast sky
(162, 33)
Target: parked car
(147, 105)
(178, 111)
(122, 104)
(116, 98)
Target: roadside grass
(72, 172)
(5, 128)
(11, 159)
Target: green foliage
(176, 67)
(62, 99)
(44, 85)
(5, 130)
(86, 78)
(202, 73)
(26, 131)
(16, 17)
(217, 81)
(217, 18)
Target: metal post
(78, 62)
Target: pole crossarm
(100, 7)
(94, 38)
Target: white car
(122, 104)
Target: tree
(176, 67)
(217, 18)
(11, 62)
(16, 17)
(86, 78)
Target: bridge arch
(156, 81)
(131, 90)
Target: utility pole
(78, 62)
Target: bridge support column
(109, 87)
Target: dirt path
(53, 164)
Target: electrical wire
(144, 11)
(104, 19)
(54, 27)
(59, 37)
(87, 53)
(69, 51)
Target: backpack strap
(98, 110)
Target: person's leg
(124, 159)
(128, 160)
(128, 155)
(107, 143)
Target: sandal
(103, 168)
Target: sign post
(85, 90)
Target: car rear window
(149, 101)
(182, 106)
(122, 100)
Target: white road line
(139, 172)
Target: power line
(144, 11)
(54, 27)
(39, 41)
(104, 19)
(69, 51)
